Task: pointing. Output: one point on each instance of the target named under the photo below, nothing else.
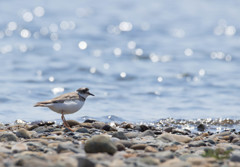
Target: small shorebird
(67, 103)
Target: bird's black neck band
(83, 98)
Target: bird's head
(84, 92)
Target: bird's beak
(91, 94)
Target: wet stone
(89, 121)
(82, 130)
(108, 128)
(201, 127)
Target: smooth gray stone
(84, 162)
(23, 133)
(120, 135)
(235, 157)
(100, 143)
(8, 136)
(147, 133)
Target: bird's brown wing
(59, 99)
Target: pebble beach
(98, 144)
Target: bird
(67, 103)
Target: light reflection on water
(143, 61)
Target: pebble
(147, 133)
(120, 135)
(7, 136)
(23, 133)
(89, 121)
(85, 162)
(120, 146)
(131, 135)
(197, 144)
(167, 137)
(201, 127)
(235, 157)
(82, 130)
(138, 146)
(108, 128)
(100, 143)
(150, 149)
(19, 147)
(150, 161)
(72, 123)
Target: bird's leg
(65, 123)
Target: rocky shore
(98, 144)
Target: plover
(67, 103)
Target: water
(144, 60)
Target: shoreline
(99, 144)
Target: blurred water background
(144, 60)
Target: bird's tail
(41, 104)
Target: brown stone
(150, 149)
(138, 146)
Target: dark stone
(168, 129)
(120, 135)
(82, 130)
(197, 144)
(100, 143)
(72, 123)
(120, 146)
(179, 132)
(127, 126)
(108, 128)
(201, 127)
(143, 128)
(89, 121)
(211, 141)
(157, 132)
(84, 162)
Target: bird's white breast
(68, 107)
